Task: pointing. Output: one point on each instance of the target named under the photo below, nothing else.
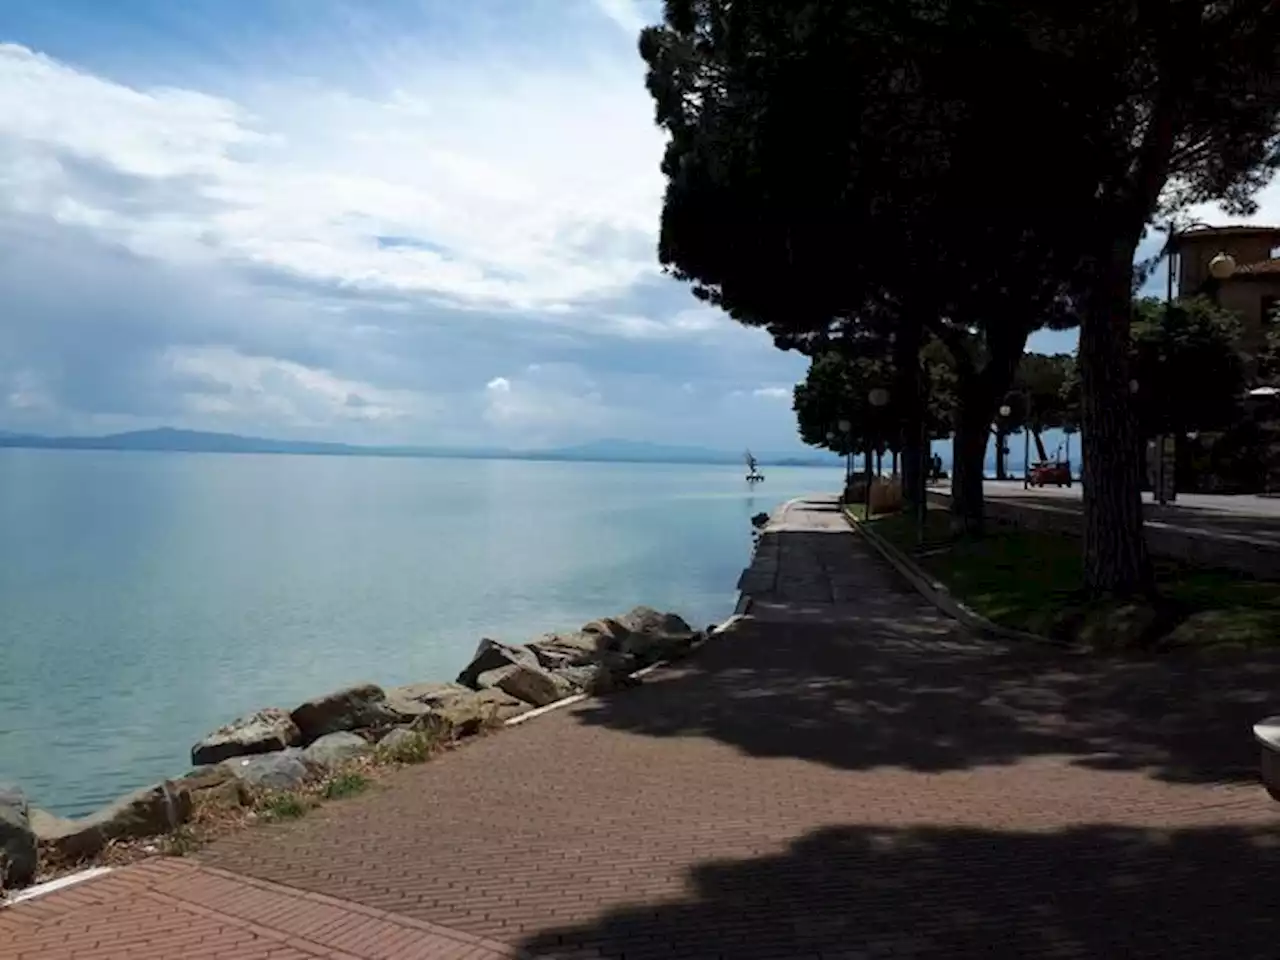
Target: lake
(147, 598)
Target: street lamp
(1222, 266)
(877, 397)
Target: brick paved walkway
(844, 774)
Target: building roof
(1267, 268)
(1238, 230)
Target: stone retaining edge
(938, 594)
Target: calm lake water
(147, 598)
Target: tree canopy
(1187, 366)
(840, 169)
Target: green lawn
(1030, 581)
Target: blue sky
(368, 220)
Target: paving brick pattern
(844, 775)
(173, 908)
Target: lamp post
(1001, 433)
(877, 397)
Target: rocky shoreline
(278, 750)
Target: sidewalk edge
(938, 594)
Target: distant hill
(169, 439)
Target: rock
(532, 684)
(335, 749)
(18, 849)
(654, 636)
(649, 621)
(363, 706)
(492, 655)
(286, 770)
(400, 738)
(213, 786)
(596, 678)
(588, 645)
(262, 732)
(415, 699)
(466, 712)
(146, 813)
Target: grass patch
(283, 806)
(1030, 580)
(418, 746)
(345, 785)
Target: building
(1252, 290)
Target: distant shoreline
(181, 441)
(374, 455)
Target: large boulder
(596, 678)
(415, 699)
(262, 732)
(286, 770)
(18, 850)
(527, 682)
(148, 812)
(335, 749)
(214, 786)
(491, 655)
(465, 712)
(595, 641)
(653, 636)
(362, 707)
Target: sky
(375, 221)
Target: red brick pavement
(879, 787)
(165, 908)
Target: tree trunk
(1115, 554)
(894, 468)
(909, 389)
(969, 451)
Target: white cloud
(548, 402)
(497, 187)
(223, 382)
(359, 254)
(772, 393)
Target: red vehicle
(1056, 472)
(1045, 471)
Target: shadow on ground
(868, 892)
(900, 686)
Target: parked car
(1056, 472)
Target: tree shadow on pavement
(901, 686)
(868, 892)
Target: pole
(1026, 441)
(867, 514)
(1168, 310)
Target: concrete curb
(28, 894)
(938, 594)
(745, 600)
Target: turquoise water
(147, 598)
